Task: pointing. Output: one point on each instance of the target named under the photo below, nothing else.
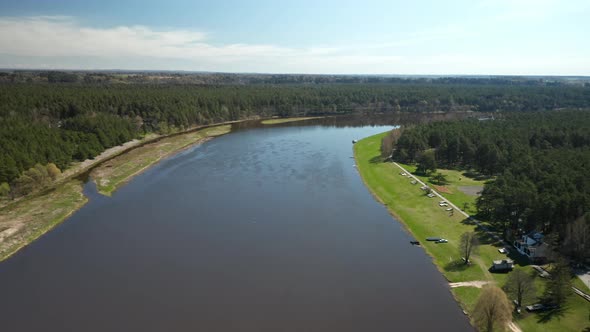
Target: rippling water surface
(267, 229)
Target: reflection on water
(266, 229)
(368, 120)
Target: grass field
(285, 120)
(424, 218)
(22, 223)
(117, 171)
(457, 180)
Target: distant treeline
(540, 161)
(204, 78)
(59, 123)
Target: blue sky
(498, 37)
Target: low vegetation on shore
(423, 218)
(114, 173)
(23, 221)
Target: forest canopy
(540, 162)
(68, 120)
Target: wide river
(267, 229)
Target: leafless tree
(520, 285)
(492, 309)
(468, 245)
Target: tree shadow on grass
(376, 160)
(476, 175)
(457, 266)
(488, 238)
(557, 313)
(468, 221)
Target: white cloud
(62, 42)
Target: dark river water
(267, 229)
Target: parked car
(430, 195)
(441, 241)
(503, 250)
(449, 209)
(535, 307)
(443, 204)
(541, 307)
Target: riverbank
(114, 173)
(25, 220)
(23, 223)
(423, 217)
(285, 120)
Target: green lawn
(456, 179)
(424, 218)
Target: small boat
(354, 141)
(416, 243)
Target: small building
(532, 246)
(503, 265)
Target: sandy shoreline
(26, 219)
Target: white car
(443, 204)
(442, 241)
(449, 209)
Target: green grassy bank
(423, 218)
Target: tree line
(205, 78)
(64, 122)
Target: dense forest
(67, 120)
(539, 162)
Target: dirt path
(106, 154)
(78, 168)
(513, 327)
(476, 283)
